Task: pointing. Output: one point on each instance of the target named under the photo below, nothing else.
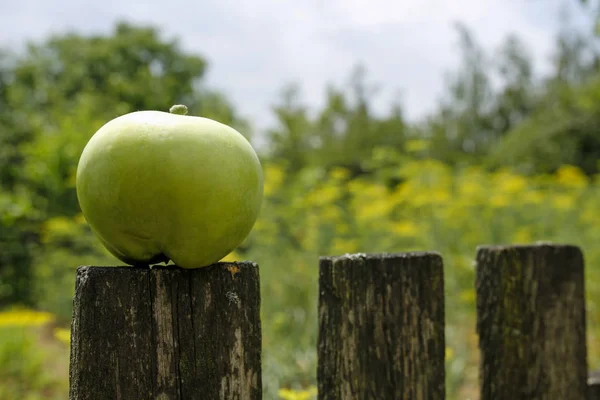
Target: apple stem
(179, 109)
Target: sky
(254, 48)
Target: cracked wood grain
(166, 333)
(381, 327)
(531, 322)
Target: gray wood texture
(381, 327)
(531, 322)
(166, 333)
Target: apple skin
(156, 186)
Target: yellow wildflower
(499, 201)
(439, 196)
(469, 187)
(342, 246)
(25, 317)
(339, 173)
(357, 186)
(467, 296)
(274, 175)
(290, 394)
(416, 145)
(533, 197)
(57, 226)
(563, 202)
(405, 228)
(523, 236)
(63, 335)
(569, 175)
(374, 209)
(449, 353)
(323, 195)
(511, 183)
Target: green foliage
(338, 179)
(53, 97)
(133, 69)
(17, 237)
(24, 373)
(563, 127)
(342, 134)
(564, 130)
(317, 212)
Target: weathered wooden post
(531, 322)
(381, 327)
(166, 333)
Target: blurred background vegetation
(507, 157)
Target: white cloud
(255, 47)
(371, 13)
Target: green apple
(157, 186)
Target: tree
(132, 68)
(291, 139)
(343, 133)
(349, 130)
(517, 96)
(562, 128)
(53, 97)
(462, 129)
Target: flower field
(401, 205)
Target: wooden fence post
(166, 333)
(381, 327)
(531, 322)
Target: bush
(26, 362)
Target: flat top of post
(381, 256)
(241, 265)
(532, 246)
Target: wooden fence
(166, 333)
